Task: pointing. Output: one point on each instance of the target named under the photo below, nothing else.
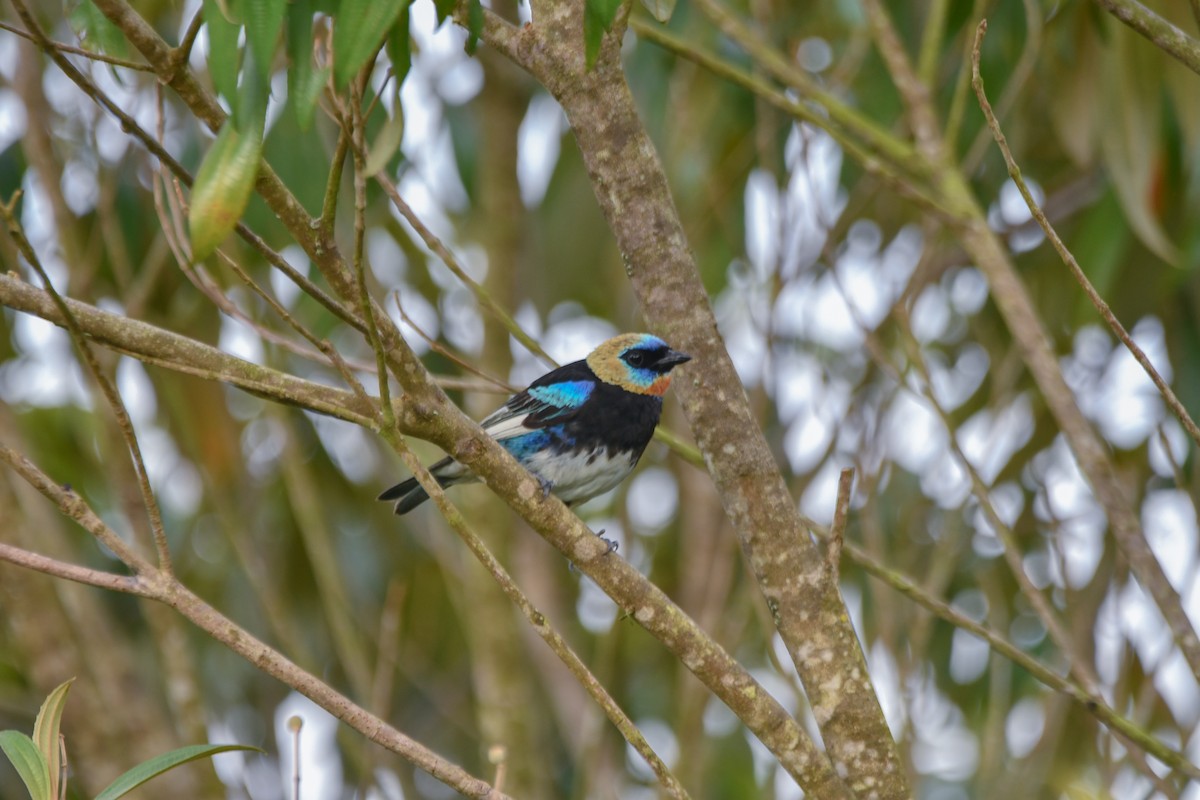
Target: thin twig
(78, 51)
(116, 404)
(837, 533)
(856, 124)
(129, 584)
(1077, 664)
(1017, 78)
(73, 506)
(296, 725)
(535, 617)
(444, 351)
(358, 135)
(1106, 313)
(907, 176)
(1047, 676)
(448, 258)
(181, 54)
(156, 584)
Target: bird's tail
(409, 494)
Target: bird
(579, 429)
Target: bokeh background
(863, 334)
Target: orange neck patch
(659, 387)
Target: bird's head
(637, 362)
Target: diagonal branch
(1015, 305)
(160, 585)
(1106, 313)
(427, 413)
(632, 191)
(106, 386)
(162, 348)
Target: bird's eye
(635, 359)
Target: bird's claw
(613, 544)
(546, 485)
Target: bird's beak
(673, 358)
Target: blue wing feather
(551, 400)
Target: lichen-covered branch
(425, 411)
(1165, 36)
(632, 191)
(153, 345)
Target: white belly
(575, 477)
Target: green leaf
(304, 82)
(306, 95)
(250, 110)
(156, 766)
(1131, 140)
(358, 29)
(223, 187)
(45, 732)
(387, 142)
(223, 54)
(96, 31)
(661, 10)
(1101, 244)
(264, 20)
(29, 763)
(399, 47)
(474, 25)
(598, 17)
(443, 9)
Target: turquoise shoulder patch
(568, 394)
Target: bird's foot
(546, 485)
(613, 544)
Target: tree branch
(1165, 36)
(160, 585)
(633, 194)
(428, 414)
(163, 348)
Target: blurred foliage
(270, 511)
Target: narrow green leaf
(443, 9)
(1101, 244)
(661, 10)
(45, 732)
(28, 762)
(358, 28)
(156, 766)
(222, 189)
(250, 110)
(387, 142)
(1131, 140)
(223, 56)
(304, 81)
(474, 25)
(264, 21)
(598, 17)
(399, 47)
(306, 94)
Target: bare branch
(833, 557)
(1165, 36)
(127, 584)
(1110, 319)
